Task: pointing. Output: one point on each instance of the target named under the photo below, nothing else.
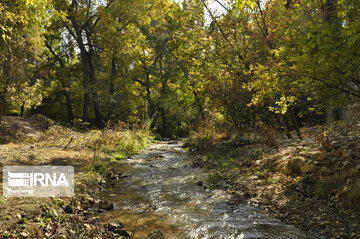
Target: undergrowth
(118, 141)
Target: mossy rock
(295, 166)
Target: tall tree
(21, 43)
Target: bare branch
(222, 5)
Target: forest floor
(36, 141)
(313, 183)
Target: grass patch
(118, 141)
(226, 163)
(118, 155)
(272, 180)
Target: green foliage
(278, 63)
(272, 180)
(21, 28)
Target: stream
(161, 192)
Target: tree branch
(222, 5)
(48, 46)
(223, 34)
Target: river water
(161, 193)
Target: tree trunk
(2, 106)
(89, 84)
(95, 98)
(86, 59)
(64, 85)
(150, 104)
(164, 132)
(282, 125)
(198, 103)
(196, 96)
(295, 123)
(4, 90)
(70, 113)
(98, 116)
(22, 109)
(287, 129)
(112, 85)
(336, 114)
(86, 103)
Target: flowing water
(161, 193)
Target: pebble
(113, 225)
(156, 234)
(105, 205)
(122, 232)
(24, 234)
(61, 236)
(199, 183)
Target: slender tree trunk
(94, 93)
(163, 80)
(150, 104)
(64, 85)
(22, 109)
(89, 83)
(4, 90)
(287, 129)
(282, 125)
(86, 102)
(196, 96)
(112, 85)
(336, 114)
(295, 123)
(199, 105)
(70, 114)
(164, 132)
(2, 106)
(98, 116)
(69, 108)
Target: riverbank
(311, 183)
(94, 154)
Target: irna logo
(37, 179)
(42, 181)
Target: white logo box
(38, 181)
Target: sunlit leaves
(21, 44)
(241, 4)
(29, 96)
